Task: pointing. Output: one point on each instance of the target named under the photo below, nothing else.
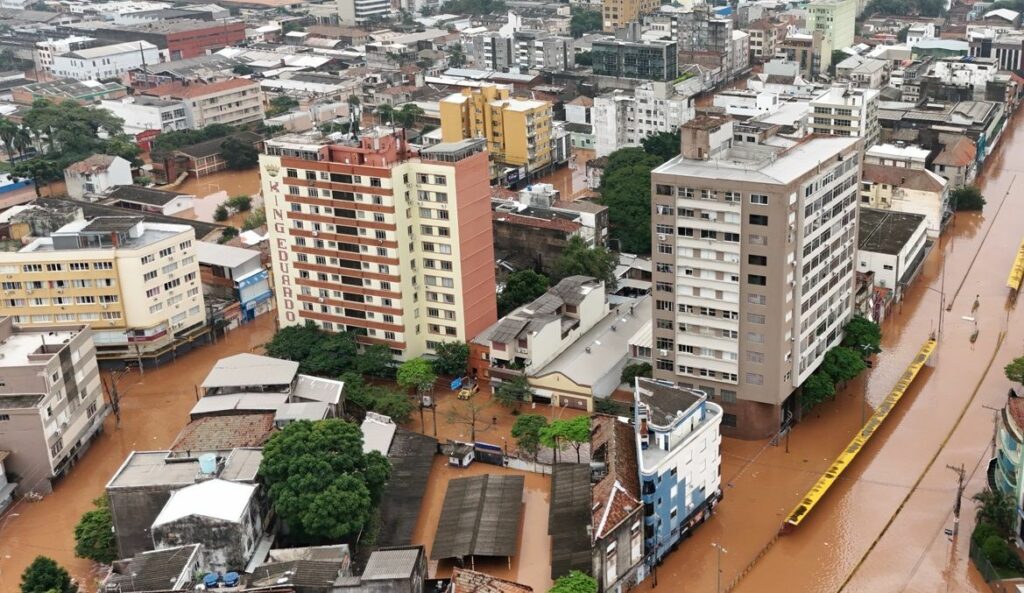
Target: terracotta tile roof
(194, 89)
(617, 495)
(93, 164)
(223, 433)
(557, 224)
(471, 581)
(1015, 409)
(916, 179)
(960, 153)
(583, 100)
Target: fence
(988, 572)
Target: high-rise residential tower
(370, 237)
(754, 243)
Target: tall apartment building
(518, 131)
(621, 120)
(753, 250)
(135, 283)
(374, 239)
(359, 12)
(679, 441)
(842, 111)
(524, 50)
(627, 55)
(232, 101)
(51, 400)
(619, 13)
(836, 21)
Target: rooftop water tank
(208, 463)
(210, 580)
(231, 579)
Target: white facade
(746, 103)
(892, 155)
(45, 50)
(108, 61)
(890, 267)
(974, 72)
(621, 120)
(141, 114)
(97, 179)
(920, 32)
(843, 111)
(357, 12)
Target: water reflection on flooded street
(236, 183)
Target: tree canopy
(574, 582)
(966, 198)
(842, 364)
(585, 21)
(368, 397)
(238, 154)
(578, 259)
(816, 389)
(626, 191)
(44, 575)
(513, 392)
(318, 352)
(664, 145)
(863, 335)
(521, 287)
(475, 7)
(319, 480)
(173, 140)
(573, 432)
(1015, 370)
(416, 373)
(94, 534)
(631, 371)
(905, 7)
(526, 431)
(452, 358)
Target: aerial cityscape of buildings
(510, 296)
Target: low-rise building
(237, 274)
(135, 283)
(864, 72)
(913, 191)
(51, 401)
(142, 114)
(200, 160)
(897, 155)
(149, 200)
(171, 569)
(106, 61)
(617, 515)
(892, 246)
(232, 101)
(679, 443)
(957, 163)
(95, 176)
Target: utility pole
(718, 574)
(960, 475)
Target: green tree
(452, 358)
(585, 21)
(44, 575)
(240, 203)
(332, 354)
(901, 36)
(294, 342)
(40, 170)
(386, 113)
(239, 155)
(220, 213)
(664, 145)
(526, 431)
(863, 335)
(319, 480)
(243, 70)
(999, 553)
(574, 582)
(227, 234)
(997, 509)
(475, 7)
(513, 392)
(407, 114)
(376, 360)
(8, 130)
(843, 364)
(416, 373)
(816, 389)
(584, 58)
(573, 432)
(626, 191)
(580, 260)
(837, 56)
(1015, 370)
(631, 371)
(457, 56)
(94, 534)
(255, 220)
(521, 287)
(966, 198)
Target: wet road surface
(154, 408)
(881, 526)
(571, 181)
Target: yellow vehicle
(469, 391)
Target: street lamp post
(718, 574)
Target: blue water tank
(208, 463)
(210, 580)
(231, 579)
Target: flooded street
(532, 563)
(154, 408)
(571, 181)
(881, 526)
(235, 183)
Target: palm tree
(8, 130)
(22, 140)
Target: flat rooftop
(151, 468)
(23, 343)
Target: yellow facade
(619, 13)
(518, 131)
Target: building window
(729, 420)
(758, 219)
(757, 280)
(757, 260)
(760, 199)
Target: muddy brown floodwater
(571, 181)
(881, 526)
(154, 408)
(236, 183)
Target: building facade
(374, 239)
(753, 253)
(233, 101)
(359, 12)
(619, 13)
(835, 20)
(679, 444)
(914, 191)
(107, 61)
(628, 56)
(846, 112)
(135, 283)
(141, 113)
(51, 400)
(621, 120)
(518, 131)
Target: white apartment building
(678, 437)
(358, 12)
(974, 71)
(842, 111)
(135, 283)
(897, 155)
(106, 61)
(96, 175)
(231, 101)
(141, 113)
(753, 254)
(914, 191)
(45, 50)
(621, 120)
